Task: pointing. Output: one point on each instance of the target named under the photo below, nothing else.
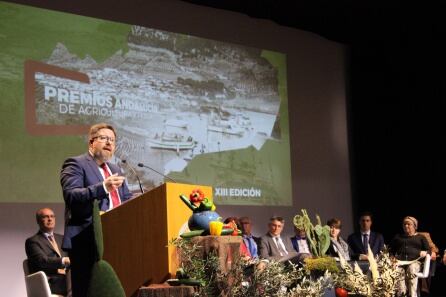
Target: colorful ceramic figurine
(203, 213)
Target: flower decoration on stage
(196, 196)
(203, 213)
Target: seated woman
(409, 246)
(338, 246)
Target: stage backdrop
(202, 95)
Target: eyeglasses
(104, 138)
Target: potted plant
(318, 238)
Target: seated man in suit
(359, 241)
(273, 246)
(249, 240)
(300, 243)
(44, 252)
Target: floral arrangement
(271, 279)
(254, 278)
(380, 283)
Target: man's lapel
(94, 167)
(371, 239)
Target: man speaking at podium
(86, 178)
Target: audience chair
(36, 283)
(424, 272)
(426, 267)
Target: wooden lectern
(136, 235)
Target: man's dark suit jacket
(43, 257)
(296, 245)
(81, 183)
(376, 242)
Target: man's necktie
(251, 246)
(56, 248)
(54, 244)
(113, 194)
(365, 242)
(280, 247)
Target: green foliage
(384, 285)
(233, 282)
(318, 236)
(196, 265)
(280, 280)
(321, 264)
(311, 286)
(273, 280)
(254, 278)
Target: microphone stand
(134, 172)
(163, 175)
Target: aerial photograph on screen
(199, 111)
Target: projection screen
(197, 110)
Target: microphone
(165, 176)
(136, 174)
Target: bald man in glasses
(44, 252)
